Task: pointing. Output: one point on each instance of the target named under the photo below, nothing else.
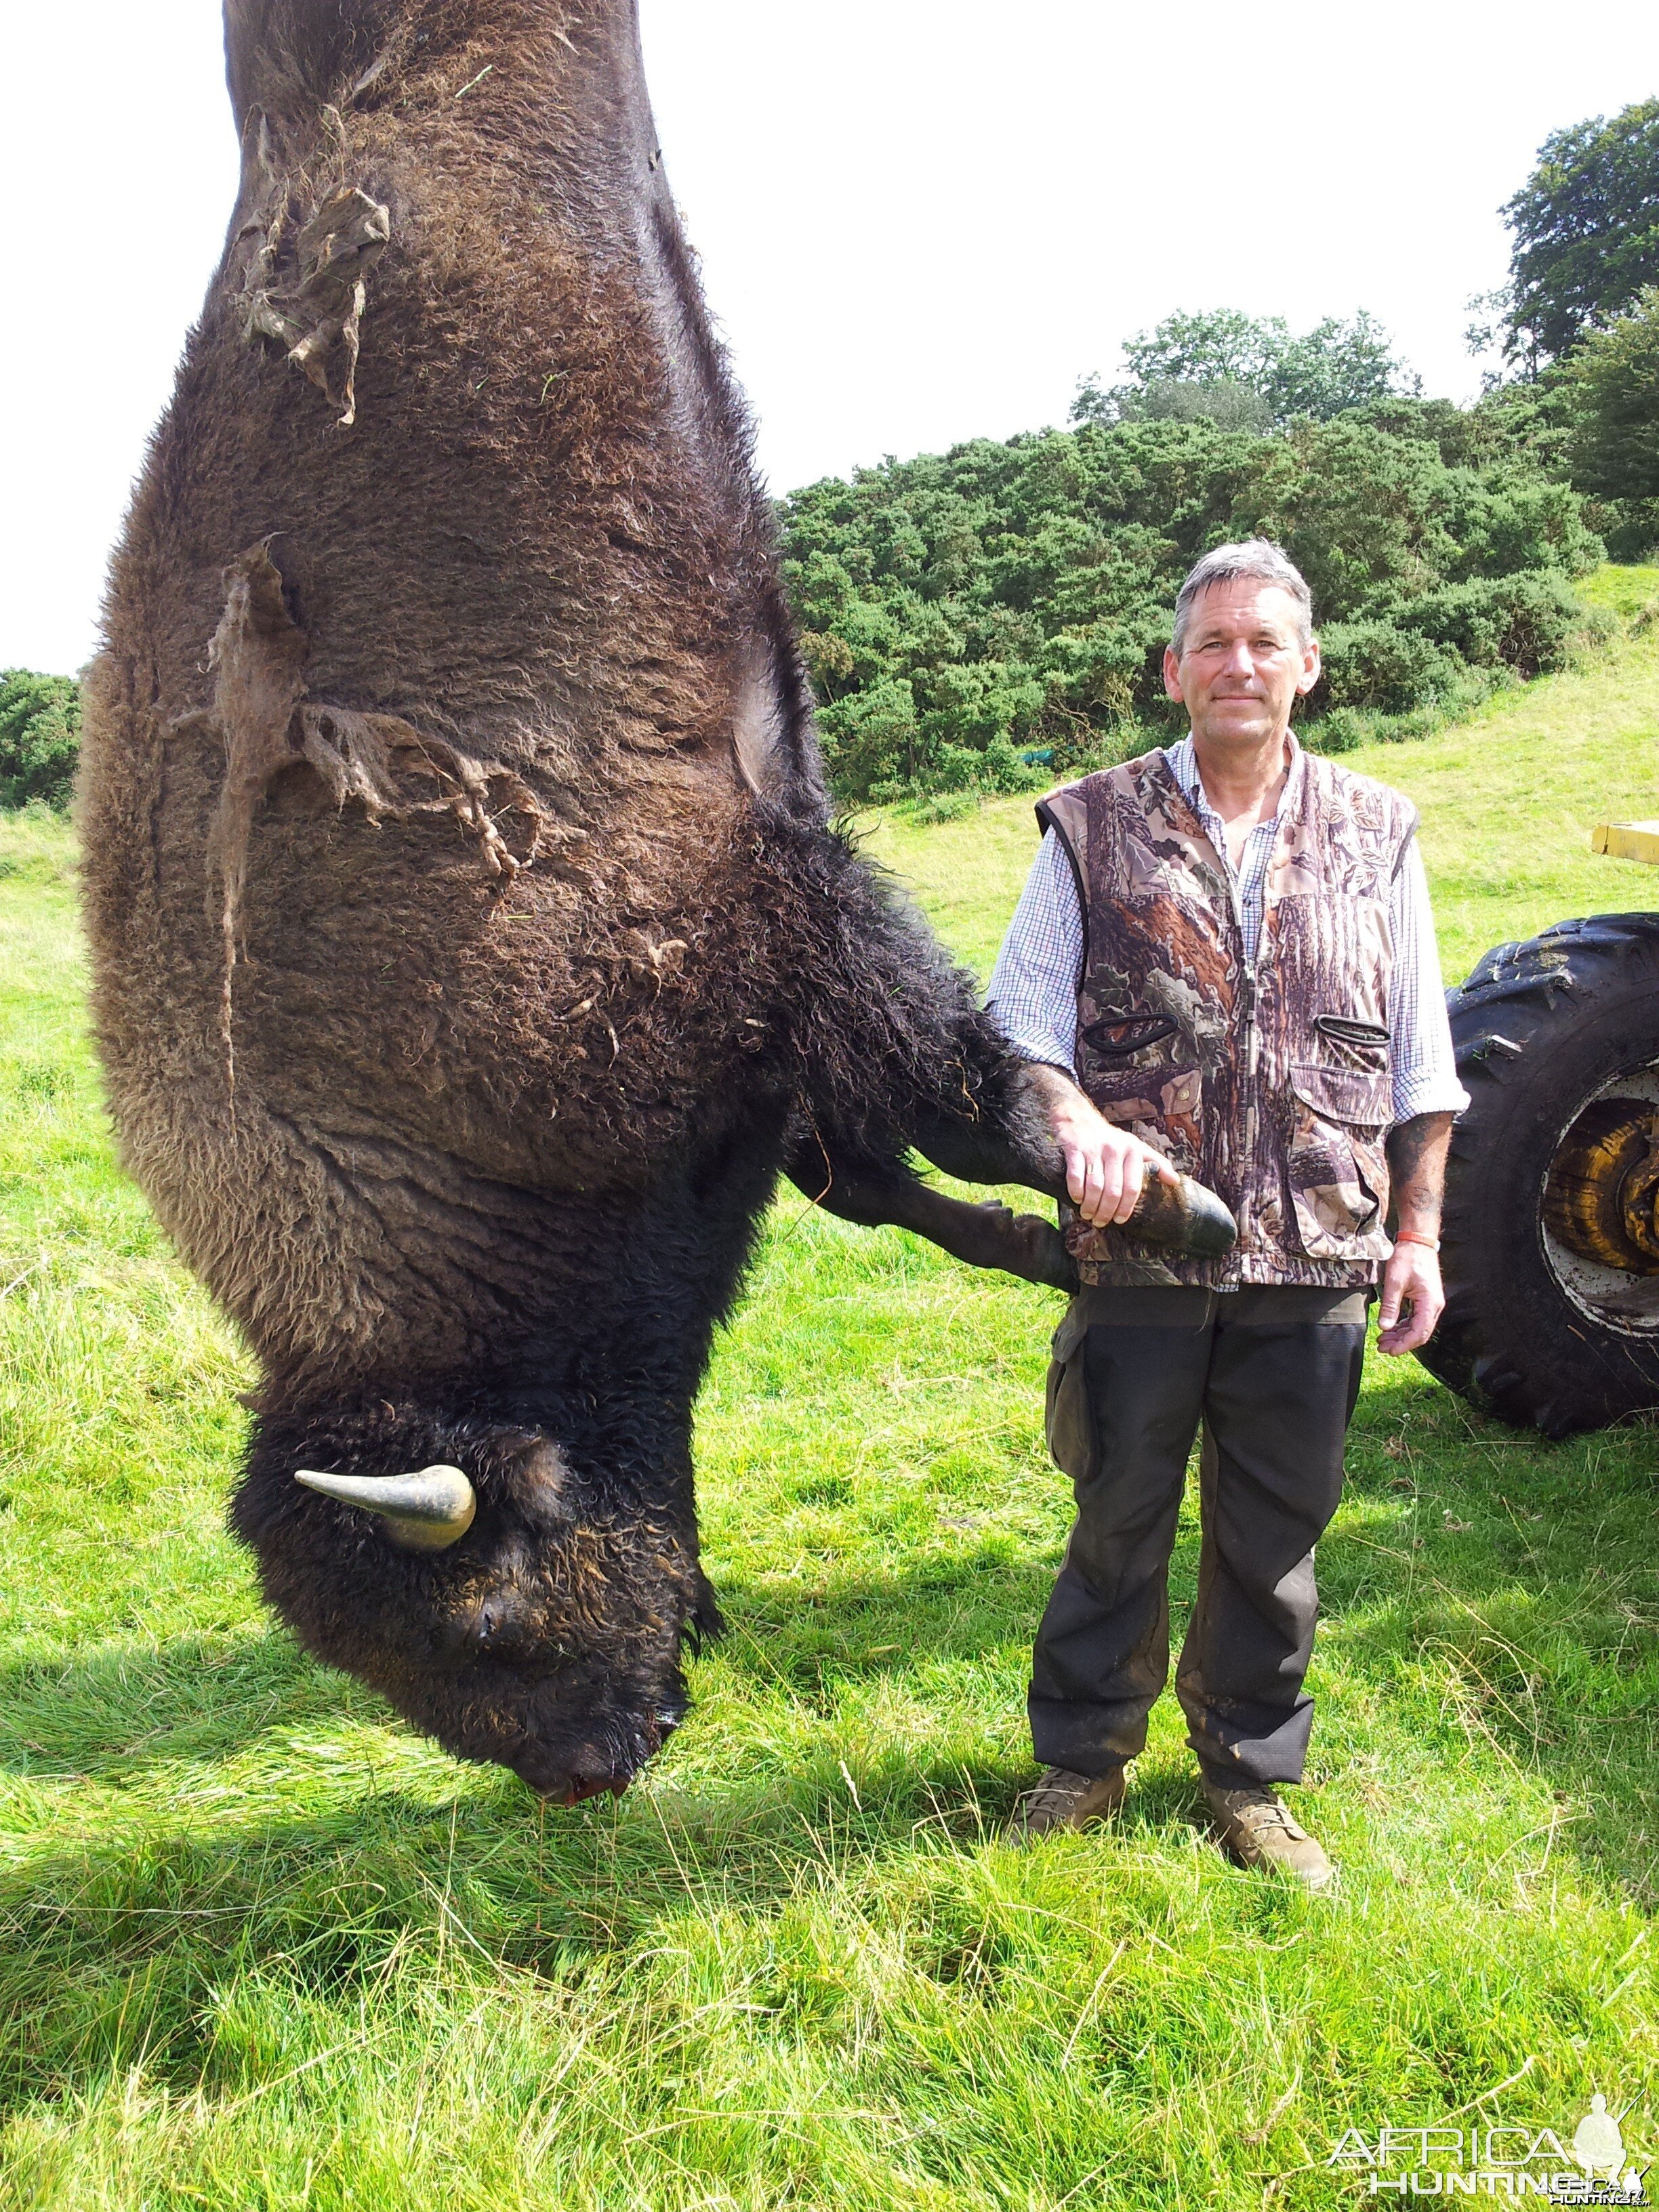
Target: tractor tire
(1558, 1046)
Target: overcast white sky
(920, 219)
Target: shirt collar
(1183, 766)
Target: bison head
(503, 1604)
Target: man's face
(1242, 663)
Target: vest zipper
(1251, 1041)
(1253, 1046)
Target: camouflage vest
(1272, 1086)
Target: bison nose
(500, 1620)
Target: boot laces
(1259, 1809)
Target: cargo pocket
(1068, 1416)
(1336, 1167)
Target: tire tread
(1513, 1026)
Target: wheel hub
(1602, 1199)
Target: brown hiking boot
(1255, 1828)
(1062, 1799)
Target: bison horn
(425, 1512)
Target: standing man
(1224, 962)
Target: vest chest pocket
(1349, 1043)
(1118, 1038)
(1336, 1164)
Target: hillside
(1508, 796)
(261, 1948)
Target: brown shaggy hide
(471, 948)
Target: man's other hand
(1412, 1300)
(1106, 1167)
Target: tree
(39, 737)
(1615, 447)
(1228, 404)
(1586, 229)
(1222, 346)
(1246, 372)
(1337, 366)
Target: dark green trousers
(1272, 1373)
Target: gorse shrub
(1373, 664)
(965, 609)
(1341, 730)
(1527, 622)
(39, 737)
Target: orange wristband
(1411, 1237)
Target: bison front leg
(1012, 1142)
(988, 1236)
(892, 1051)
(1009, 1140)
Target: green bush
(39, 738)
(1527, 622)
(1615, 450)
(1374, 663)
(963, 609)
(946, 806)
(1632, 532)
(870, 736)
(1343, 730)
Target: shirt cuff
(1426, 1090)
(1047, 1049)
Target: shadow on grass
(138, 1939)
(152, 1941)
(960, 1606)
(1535, 1635)
(120, 1710)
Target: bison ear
(772, 748)
(760, 724)
(513, 1443)
(539, 1481)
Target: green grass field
(261, 1948)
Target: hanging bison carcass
(471, 949)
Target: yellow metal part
(1602, 1199)
(1626, 840)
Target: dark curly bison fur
(471, 947)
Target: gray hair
(1258, 558)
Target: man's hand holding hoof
(1106, 1167)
